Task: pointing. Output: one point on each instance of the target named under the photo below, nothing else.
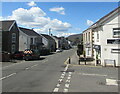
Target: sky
(64, 18)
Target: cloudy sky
(64, 18)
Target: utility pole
(49, 31)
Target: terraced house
(104, 39)
(10, 36)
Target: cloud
(32, 3)
(36, 18)
(78, 29)
(64, 34)
(59, 10)
(29, 17)
(89, 22)
(55, 25)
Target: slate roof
(48, 37)
(115, 10)
(29, 32)
(5, 25)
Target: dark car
(31, 54)
(18, 55)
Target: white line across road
(87, 74)
(8, 76)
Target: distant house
(49, 42)
(10, 36)
(29, 39)
(64, 43)
(57, 41)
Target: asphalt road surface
(35, 76)
(50, 74)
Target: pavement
(91, 78)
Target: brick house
(10, 36)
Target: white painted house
(29, 39)
(107, 38)
(88, 42)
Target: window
(35, 40)
(13, 48)
(31, 41)
(97, 35)
(116, 32)
(13, 37)
(115, 50)
(89, 36)
(86, 36)
(113, 41)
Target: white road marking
(65, 90)
(69, 75)
(58, 85)
(91, 74)
(63, 74)
(56, 90)
(111, 82)
(34, 65)
(27, 68)
(69, 78)
(67, 81)
(62, 77)
(70, 72)
(66, 68)
(67, 85)
(13, 64)
(44, 61)
(60, 80)
(7, 76)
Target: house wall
(7, 41)
(87, 43)
(51, 45)
(107, 33)
(23, 41)
(57, 42)
(0, 41)
(45, 42)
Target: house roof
(47, 37)
(115, 10)
(29, 32)
(6, 25)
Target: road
(35, 76)
(51, 74)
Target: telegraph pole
(49, 31)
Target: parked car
(18, 55)
(59, 50)
(31, 54)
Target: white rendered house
(107, 38)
